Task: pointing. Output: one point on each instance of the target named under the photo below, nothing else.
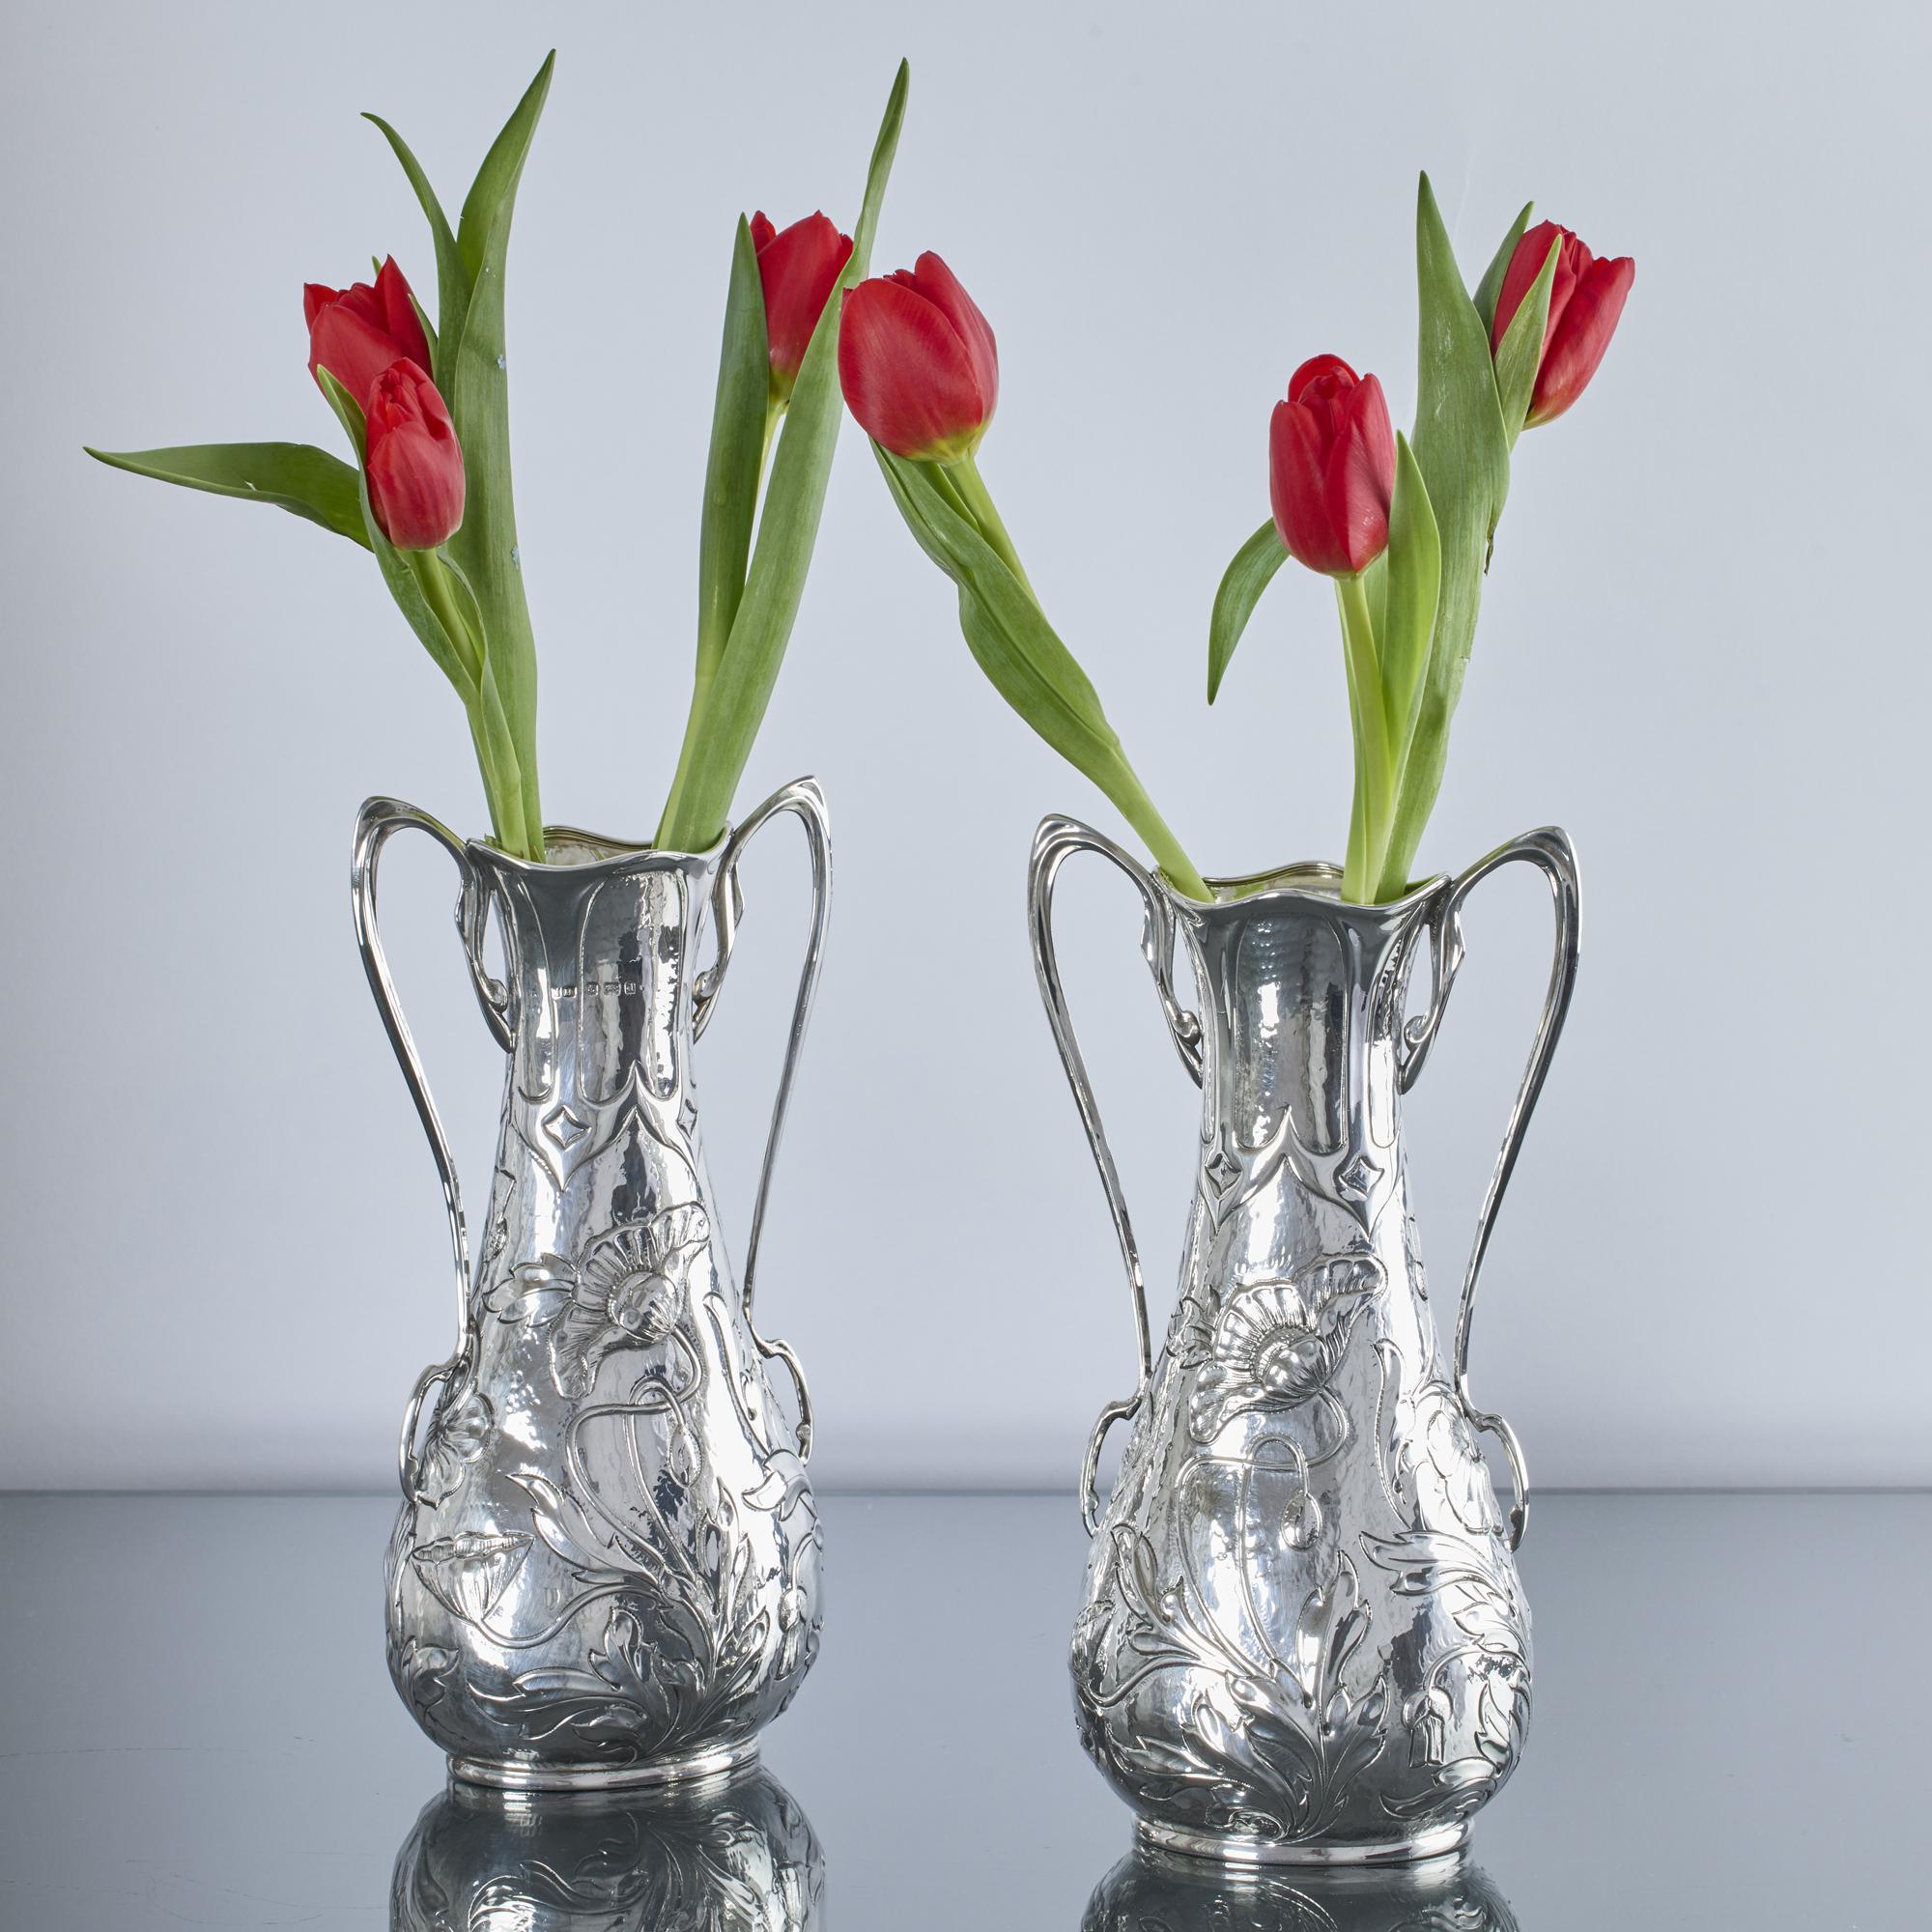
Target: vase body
(605, 1567)
(724, 1856)
(1304, 1639)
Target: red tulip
(357, 333)
(415, 464)
(797, 267)
(1586, 297)
(1331, 467)
(917, 363)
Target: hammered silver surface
(1304, 1637)
(606, 1566)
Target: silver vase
(720, 1856)
(1304, 1639)
(605, 1567)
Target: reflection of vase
(605, 1567)
(1150, 1894)
(1304, 1639)
(713, 1856)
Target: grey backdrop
(1703, 650)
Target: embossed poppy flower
(1277, 1344)
(629, 1293)
(1441, 1464)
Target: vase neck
(1301, 1004)
(601, 961)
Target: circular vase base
(1241, 1849)
(658, 1774)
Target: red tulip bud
(917, 363)
(1585, 299)
(797, 267)
(357, 332)
(1331, 467)
(415, 464)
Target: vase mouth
(569, 848)
(1309, 880)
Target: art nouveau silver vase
(605, 1567)
(1304, 1640)
(720, 1856)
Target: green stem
(1374, 801)
(977, 501)
(504, 790)
(714, 634)
(1124, 786)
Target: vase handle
(379, 820)
(1054, 844)
(1550, 852)
(803, 799)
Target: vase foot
(1241, 1848)
(687, 1767)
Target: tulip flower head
(1331, 467)
(415, 464)
(917, 363)
(357, 333)
(797, 267)
(1586, 299)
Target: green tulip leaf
(293, 476)
(1407, 619)
(478, 399)
(452, 279)
(740, 421)
(1240, 589)
(1463, 452)
(1520, 353)
(1023, 656)
(1488, 291)
(787, 528)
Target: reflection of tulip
(415, 464)
(797, 267)
(917, 363)
(1586, 297)
(357, 333)
(1331, 467)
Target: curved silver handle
(803, 799)
(379, 820)
(1054, 844)
(1550, 851)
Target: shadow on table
(1149, 1892)
(738, 1854)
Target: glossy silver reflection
(730, 1856)
(1304, 1639)
(1147, 1893)
(606, 1568)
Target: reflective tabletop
(197, 1728)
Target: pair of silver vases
(1304, 1639)
(606, 1569)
